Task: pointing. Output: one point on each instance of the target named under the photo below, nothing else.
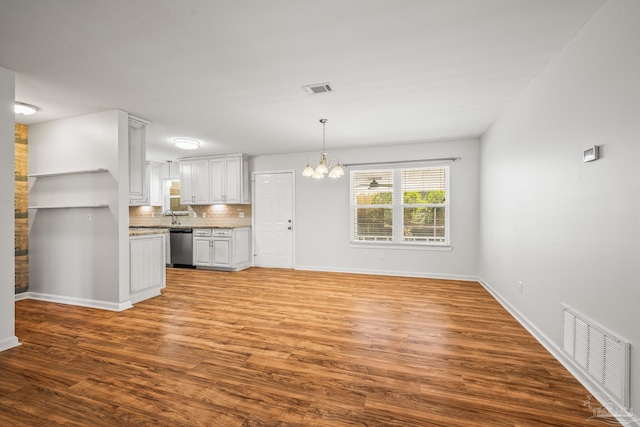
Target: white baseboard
(143, 295)
(8, 343)
(593, 387)
(81, 302)
(389, 273)
(22, 295)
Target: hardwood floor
(266, 347)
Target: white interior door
(273, 219)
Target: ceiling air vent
(317, 88)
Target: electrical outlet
(381, 255)
(240, 214)
(89, 217)
(366, 254)
(521, 287)
(153, 214)
(204, 214)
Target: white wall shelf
(94, 205)
(67, 173)
(77, 172)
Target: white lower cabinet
(147, 260)
(202, 250)
(222, 251)
(222, 248)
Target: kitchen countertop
(214, 226)
(151, 227)
(140, 231)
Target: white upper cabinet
(194, 182)
(227, 180)
(155, 183)
(152, 188)
(186, 174)
(230, 179)
(137, 157)
(217, 169)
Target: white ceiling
(229, 73)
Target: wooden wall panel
(22, 198)
(21, 208)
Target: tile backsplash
(199, 216)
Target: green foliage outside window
(422, 223)
(375, 223)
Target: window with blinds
(373, 200)
(401, 205)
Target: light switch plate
(590, 154)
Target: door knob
(289, 228)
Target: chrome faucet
(174, 218)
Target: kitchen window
(171, 200)
(407, 206)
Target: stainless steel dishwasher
(181, 247)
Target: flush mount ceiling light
(322, 168)
(24, 109)
(186, 143)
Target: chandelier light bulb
(308, 171)
(336, 172)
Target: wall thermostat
(590, 154)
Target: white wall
(322, 214)
(570, 231)
(72, 258)
(123, 209)
(7, 217)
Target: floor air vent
(601, 354)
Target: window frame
(397, 206)
(166, 199)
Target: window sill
(401, 246)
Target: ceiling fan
(375, 184)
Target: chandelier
(322, 168)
